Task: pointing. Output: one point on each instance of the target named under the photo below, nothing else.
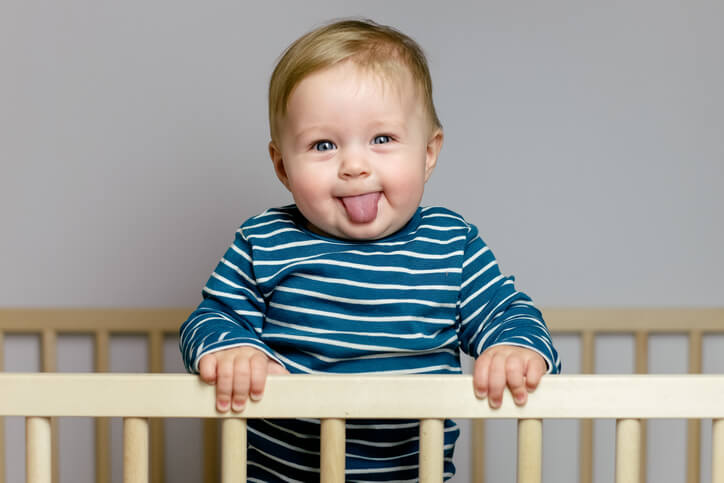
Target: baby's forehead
(391, 77)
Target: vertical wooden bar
(478, 450)
(530, 450)
(717, 451)
(332, 451)
(588, 356)
(155, 359)
(38, 450)
(628, 459)
(642, 352)
(135, 450)
(48, 351)
(211, 450)
(49, 363)
(233, 450)
(2, 419)
(693, 426)
(155, 351)
(432, 438)
(642, 367)
(102, 425)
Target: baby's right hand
(237, 372)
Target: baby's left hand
(518, 368)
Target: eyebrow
(381, 126)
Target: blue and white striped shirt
(405, 304)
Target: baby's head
(354, 131)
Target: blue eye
(323, 145)
(381, 139)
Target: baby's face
(355, 151)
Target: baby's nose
(354, 165)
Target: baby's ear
(276, 156)
(434, 144)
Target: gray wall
(585, 140)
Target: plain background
(586, 140)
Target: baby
(356, 277)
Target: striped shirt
(405, 304)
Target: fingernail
(495, 404)
(519, 399)
(222, 406)
(256, 397)
(238, 406)
(480, 394)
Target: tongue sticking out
(361, 208)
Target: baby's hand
(506, 365)
(237, 372)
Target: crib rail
(628, 399)
(156, 323)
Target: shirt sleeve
(493, 312)
(231, 313)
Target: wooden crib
(139, 397)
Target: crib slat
(155, 358)
(332, 449)
(103, 450)
(102, 425)
(693, 426)
(155, 351)
(49, 363)
(135, 450)
(628, 459)
(38, 451)
(588, 356)
(432, 438)
(693, 451)
(478, 450)
(101, 351)
(717, 451)
(48, 356)
(642, 367)
(530, 450)
(233, 450)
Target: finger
(242, 377)
(207, 369)
(224, 378)
(516, 381)
(275, 368)
(480, 376)
(496, 380)
(535, 371)
(258, 371)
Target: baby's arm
(518, 368)
(501, 328)
(238, 373)
(221, 339)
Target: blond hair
(368, 44)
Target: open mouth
(361, 208)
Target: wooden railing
(334, 399)
(102, 324)
(155, 324)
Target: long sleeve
(493, 312)
(232, 312)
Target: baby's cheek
(405, 189)
(309, 188)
